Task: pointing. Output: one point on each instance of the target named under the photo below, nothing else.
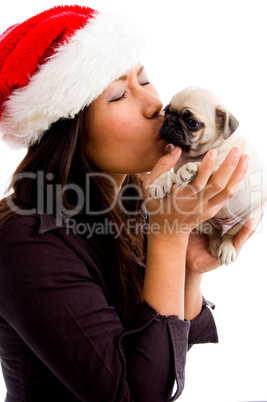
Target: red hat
(56, 63)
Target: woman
(100, 285)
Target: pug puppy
(197, 121)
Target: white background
(220, 45)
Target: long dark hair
(61, 152)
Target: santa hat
(56, 63)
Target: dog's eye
(192, 123)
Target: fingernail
(246, 159)
(213, 154)
(169, 148)
(175, 150)
(252, 223)
(237, 151)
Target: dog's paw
(162, 185)
(186, 174)
(226, 253)
(214, 245)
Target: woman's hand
(199, 260)
(200, 200)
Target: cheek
(111, 136)
(111, 124)
(118, 131)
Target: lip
(160, 118)
(157, 128)
(162, 112)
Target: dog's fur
(197, 121)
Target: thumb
(166, 162)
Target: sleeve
(182, 336)
(156, 349)
(49, 297)
(203, 328)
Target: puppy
(196, 121)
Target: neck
(117, 179)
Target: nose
(152, 105)
(149, 99)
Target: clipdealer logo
(49, 204)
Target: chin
(147, 168)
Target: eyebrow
(125, 77)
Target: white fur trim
(77, 74)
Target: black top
(61, 339)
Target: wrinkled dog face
(196, 121)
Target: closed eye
(118, 98)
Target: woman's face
(123, 125)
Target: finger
(219, 180)
(238, 175)
(255, 226)
(234, 182)
(203, 174)
(244, 234)
(164, 164)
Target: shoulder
(29, 238)
(36, 254)
(18, 226)
(45, 239)
(33, 226)
(28, 226)
(20, 239)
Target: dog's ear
(225, 121)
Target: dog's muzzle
(175, 131)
